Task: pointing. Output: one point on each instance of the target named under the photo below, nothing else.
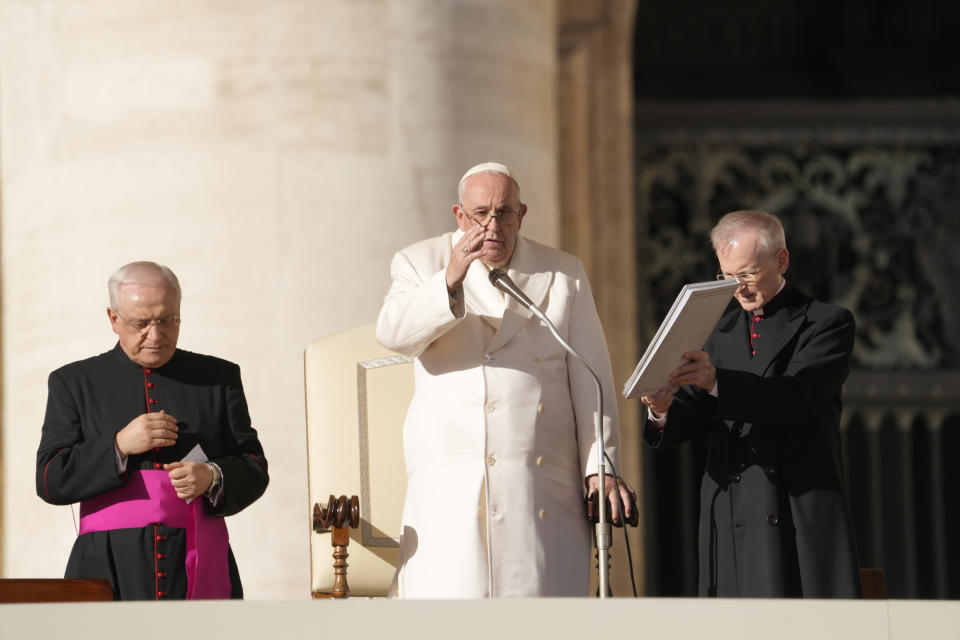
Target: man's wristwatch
(215, 483)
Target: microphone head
(500, 279)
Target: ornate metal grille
(872, 219)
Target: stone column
(597, 181)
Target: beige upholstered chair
(357, 394)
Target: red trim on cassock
(156, 565)
(146, 390)
(258, 460)
(47, 466)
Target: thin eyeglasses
(505, 217)
(742, 278)
(165, 323)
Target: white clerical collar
(783, 283)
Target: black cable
(623, 518)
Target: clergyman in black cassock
(766, 391)
(91, 402)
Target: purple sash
(149, 498)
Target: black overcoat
(773, 515)
(89, 402)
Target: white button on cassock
(489, 408)
(491, 460)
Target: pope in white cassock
(499, 439)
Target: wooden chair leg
(340, 515)
(872, 584)
(340, 541)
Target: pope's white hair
(731, 228)
(141, 272)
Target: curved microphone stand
(502, 281)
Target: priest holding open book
(766, 391)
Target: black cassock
(89, 402)
(773, 515)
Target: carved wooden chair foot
(341, 514)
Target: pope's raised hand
(465, 251)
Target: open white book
(687, 326)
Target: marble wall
(274, 154)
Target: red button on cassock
(148, 370)
(158, 466)
(152, 401)
(161, 575)
(160, 556)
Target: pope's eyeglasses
(505, 217)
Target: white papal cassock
(500, 432)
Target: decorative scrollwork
(339, 513)
(873, 228)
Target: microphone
(500, 279)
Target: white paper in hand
(688, 324)
(197, 454)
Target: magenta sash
(149, 498)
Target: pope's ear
(520, 214)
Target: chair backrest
(357, 395)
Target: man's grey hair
(141, 272)
(732, 227)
